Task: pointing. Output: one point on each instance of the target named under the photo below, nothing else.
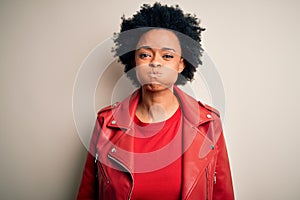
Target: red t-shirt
(164, 181)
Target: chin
(156, 87)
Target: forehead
(159, 38)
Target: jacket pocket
(206, 183)
(102, 173)
(210, 177)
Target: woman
(159, 143)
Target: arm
(223, 189)
(88, 187)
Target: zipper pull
(96, 157)
(215, 177)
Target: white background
(254, 45)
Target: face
(158, 59)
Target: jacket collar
(123, 112)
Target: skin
(158, 62)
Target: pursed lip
(154, 74)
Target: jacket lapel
(195, 141)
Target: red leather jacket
(206, 172)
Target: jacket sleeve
(223, 188)
(88, 188)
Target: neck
(156, 106)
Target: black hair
(166, 17)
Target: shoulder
(211, 115)
(107, 110)
(209, 110)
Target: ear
(181, 65)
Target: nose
(155, 62)
(152, 64)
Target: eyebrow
(164, 48)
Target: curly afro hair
(160, 16)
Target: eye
(144, 55)
(168, 56)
